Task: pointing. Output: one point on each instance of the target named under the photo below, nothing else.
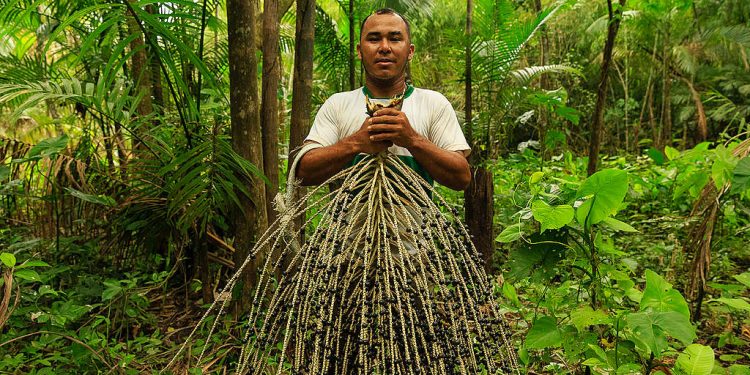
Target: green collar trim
(368, 93)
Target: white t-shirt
(429, 112)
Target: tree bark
(155, 68)
(250, 220)
(302, 83)
(597, 118)
(269, 114)
(666, 105)
(478, 196)
(700, 112)
(140, 72)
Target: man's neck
(385, 89)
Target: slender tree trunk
(700, 112)
(269, 114)
(250, 221)
(478, 196)
(666, 114)
(155, 69)
(597, 118)
(302, 82)
(139, 66)
(139, 73)
(544, 83)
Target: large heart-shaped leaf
(544, 334)
(552, 217)
(695, 360)
(604, 191)
(660, 296)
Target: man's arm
(449, 168)
(320, 164)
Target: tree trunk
(666, 105)
(700, 113)
(302, 82)
(544, 83)
(155, 69)
(478, 197)
(139, 65)
(269, 114)
(479, 210)
(250, 220)
(597, 118)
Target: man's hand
(320, 164)
(363, 141)
(392, 125)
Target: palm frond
(115, 102)
(525, 75)
(494, 58)
(331, 52)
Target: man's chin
(384, 77)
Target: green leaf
(695, 360)
(509, 291)
(552, 217)
(111, 292)
(28, 275)
(92, 198)
(735, 303)
(32, 263)
(604, 192)
(723, 166)
(671, 152)
(510, 233)
(544, 333)
(48, 147)
(741, 177)
(739, 370)
(584, 317)
(618, 225)
(8, 259)
(660, 296)
(694, 183)
(656, 155)
(731, 357)
(535, 177)
(4, 172)
(650, 330)
(744, 278)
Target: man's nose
(384, 47)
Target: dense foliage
(117, 202)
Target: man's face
(384, 47)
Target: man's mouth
(384, 62)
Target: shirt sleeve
(325, 129)
(445, 132)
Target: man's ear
(359, 52)
(411, 51)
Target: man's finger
(381, 128)
(387, 119)
(387, 112)
(379, 137)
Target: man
(424, 132)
